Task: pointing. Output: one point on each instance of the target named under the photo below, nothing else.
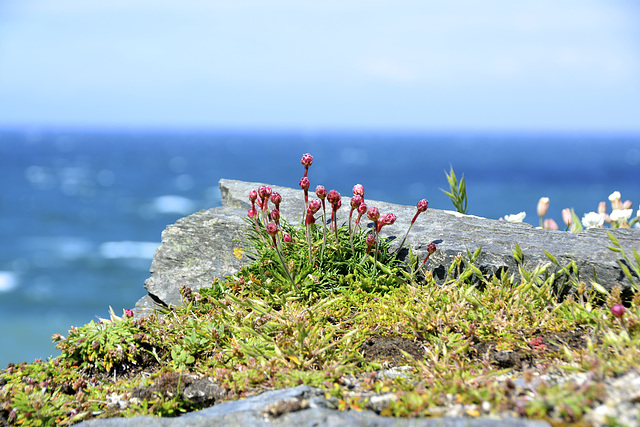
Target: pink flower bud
(276, 199)
(566, 216)
(627, 204)
(333, 197)
(422, 205)
(304, 183)
(272, 228)
(275, 215)
(602, 207)
(128, 313)
(550, 224)
(321, 192)
(264, 191)
(362, 209)
(543, 206)
(286, 238)
(253, 195)
(356, 201)
(373, 213)
(251, 213)
(431, 248)
(314, 206)
(337, 205)
(358, 190)
(307, 160)
(389, 219)
(618, 310)
(370, 240)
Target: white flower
(621, 214)
(519, 217)
(614, 196)
(593, 220)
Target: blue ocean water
(81, 212)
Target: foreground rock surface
(200, 247)
(298, 406)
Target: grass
(331, 311)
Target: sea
(82, 211)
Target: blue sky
(428, 65)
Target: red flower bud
(314, 206)
(358, 190)
(307, 160)
(286, 238)
(422, 205)
(389, 219)
(304, 183)
(431, 248)
(356, 201)
(275, 215)
(362, 209)
(251, 213)
(272, 228)
(618, 310)
(373, 213)
(253, 195)
(276, 199)
(333, 197)
(321, 192)
(264, 191)
(370, 240)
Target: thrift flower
(618, 310)
(592, 220)
(251, 213)
(373, 214)
(422, 206)
(276, 199)
(358, 190)
(307, 160)
(275, 215)
(286, 238)
(519, 217)
(321, 192)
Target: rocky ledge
(200, 247)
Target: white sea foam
(128, 249)
(8, 281)
(173, 204)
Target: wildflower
(614, 198)
(618, 310)
(431, 248)
(276, 199)
(304, 184)
(358, 190)
(422, 206)
(128, 313)
(387, 219)
(550, 224)
(592, 220)
(286, 238)
(272, 229)
(370, 240)
(314, 206)
(321, 192)
(237, 252)
(333, 197)
(543, 206)
(253, 195)
(627, 204)
(373, 214)
(602, 207)
(264, 191)
(567, 217)
(519, 217)
(307, 160)
(275, 215)
(620, 216)
(251, 213)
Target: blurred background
(117, 118)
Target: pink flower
(567, 217)
(314, 206)
(618, 310)
(264, 191)
(387, 219)
(373, 214)
(253, 195)
(286, 238)
(321, 192)
(276, 199)
(252, 213)
(307, 160)
(358, 190)
(370, 240)
(275, 215)
(333, 197)
(431, 248)
(128, 313)
(550, 224)
(422, 205)
(304, 183)
(272, 229)
(356, 201)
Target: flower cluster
(267, 221)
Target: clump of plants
(326, 302)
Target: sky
(427, 65)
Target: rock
(198, 248)
(298, 406)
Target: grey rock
(198, 248)
(298, 406)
